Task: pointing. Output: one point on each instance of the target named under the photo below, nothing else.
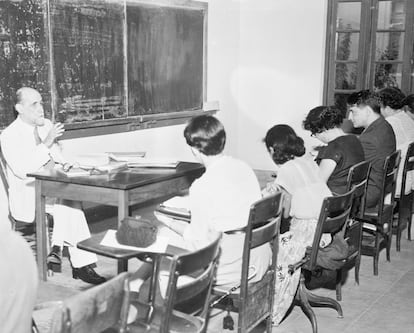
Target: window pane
(391, 14)
(349, 15)
(388, 75)
(346, 76)
(389, 46)
(347, 46)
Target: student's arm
(173, 224)
(326, 167)
(286, 203)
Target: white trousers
(69, 228)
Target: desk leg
(123, 211)
(40, 231)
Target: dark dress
(346, 151)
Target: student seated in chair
(377, 139)
(341, 152)
(299, 177)
(392, 103)
(220, 201)
(29, 145)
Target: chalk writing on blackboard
(87, 41)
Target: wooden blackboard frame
(131, 119)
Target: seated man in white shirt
(29, 145)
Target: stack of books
(138, 160)
(176, 208)
(87, 170)
(124, 156)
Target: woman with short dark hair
(220, 201)
(299, 178)
(342, 150)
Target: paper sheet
(159, 246)
(182, 202)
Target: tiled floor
(379, 304)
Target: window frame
(366, 56)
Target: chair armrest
(236, 231)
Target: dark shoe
(54, 259)
(87, 274)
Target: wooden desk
(121, 189)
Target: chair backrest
(332, 218)
(3, 176)
(389, 180)
(95, 309)
(358, 181)
(3, 172)
(262, 228)
(200, 265)
(408, 167)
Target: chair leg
(302, 296)
(357, 265)
(409, 226)
(325, 302)
(338, 285)
(388, 249)
(376, 263)
(398, 242)
(269, 324)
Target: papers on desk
(159, 246)
(87, 170)
(143, 162)
(176, 208)
(128, 157)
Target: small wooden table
(122, 189)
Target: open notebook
(176, 208)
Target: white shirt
(23, 156)
(403, 126)
(220, 200)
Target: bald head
(29, 105)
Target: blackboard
(165, 59)
(87, 50)
(103, 61)
(23, 56)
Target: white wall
(265, 66)
(280, 74)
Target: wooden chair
(254, 301)
(377, 226)
(3, 175)
(189, 277)
(404, 201)
(94, 310)
(358, 181)
(332, 218)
